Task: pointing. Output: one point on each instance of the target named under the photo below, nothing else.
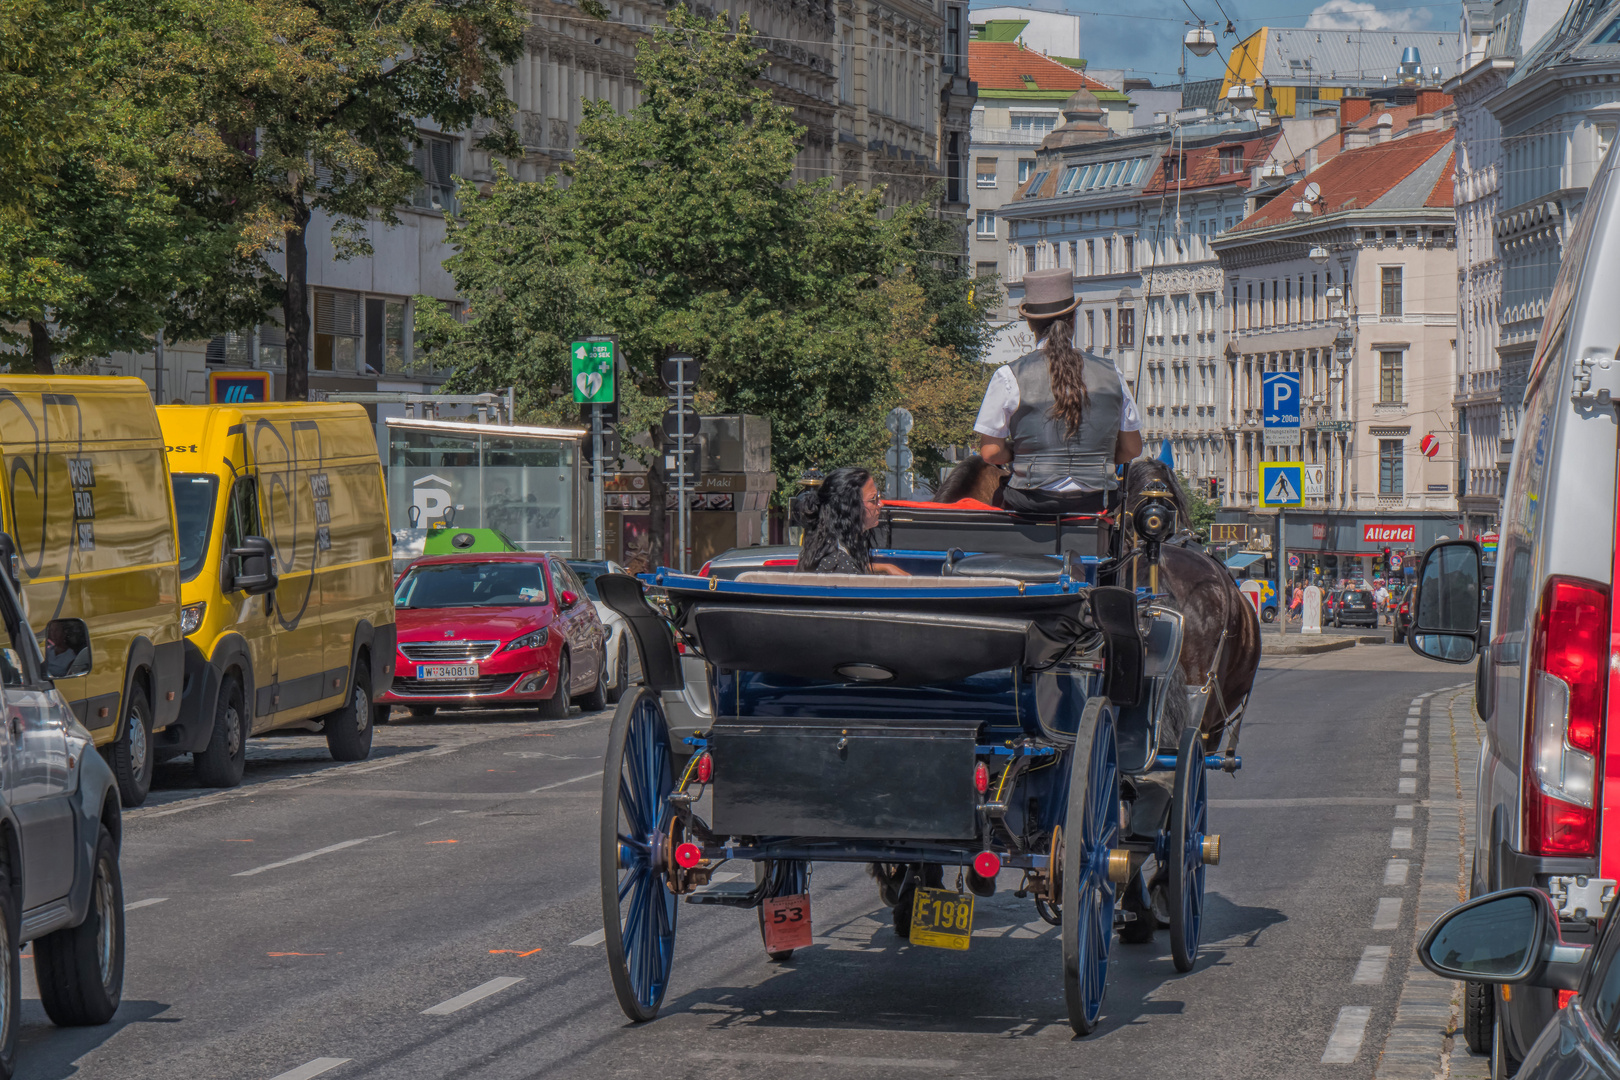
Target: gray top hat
(1048, 294)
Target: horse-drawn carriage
(1020, 708)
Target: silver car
(1549, 764)
(60, 821)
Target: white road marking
(312, 1069)
(561, 783)
(1400, 838)
(1370, 970)
(991, 931)
(1388, 914)
(1409, 764)
(1403, 812)
(756, 1058)
(1408, 785)
(1395, 872)
(1410, 733)
(429, 821)
(476, 994)
(1409, 748)
(595, 937)
(1348, 1031)
(310, 855)
(1415, 710)
(138, 904)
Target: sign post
(594, 362)
(1282, 484)
(680, 373)
(1280, 396)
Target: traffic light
(1386, 558)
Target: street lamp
(1344, 346)
(1200, 41)
(1319, 256)
(1241, 97)
(1302, 209)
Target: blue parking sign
(1279, 391)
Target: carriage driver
(1063, 418)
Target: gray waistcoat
(1042, 450)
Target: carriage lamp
(705, 768)
(688, 855)
(981, 778)
(987, 864)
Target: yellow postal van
(286, 578)
(89, 539)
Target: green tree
(682, 230)
(1199, 508)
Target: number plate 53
(942, 918)
(787, 922)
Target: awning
(1243, 559)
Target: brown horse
(974, 478)
(1220, 649)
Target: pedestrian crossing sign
(1282, 483)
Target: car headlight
(529, 641)
(191, 617)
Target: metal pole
(596, 480)
(157, 369)
(1282, 574)
(680, 467)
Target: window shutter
(337, 314)
(444, 161)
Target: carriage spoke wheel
(1189, 821)
(1088, 894)
(638, 909)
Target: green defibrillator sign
(593, 364)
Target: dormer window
(1231, 159)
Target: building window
(953, 39)
(1391, 304)
(1231, 159)
(986, 172)
(953, 166)
(987, 224)
(1091, 257)
(1108, 256)
(1033, 123)
(1389, 377)
(435, 160)
(1127, 328)
(1130, 253)
(984, 269)
(1029, 257)
(1108, 328)
(1390, 480)
(337, 332)
(385, 336)
(1025, 167)
(1091, 330)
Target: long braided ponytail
(1068, 371)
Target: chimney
(1356, 138)
(1353, 110)
(1431, 101)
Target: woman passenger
(838, 518)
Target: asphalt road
(335, 921)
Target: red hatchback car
(490, 630)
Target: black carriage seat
(866, 581)
(1032, 569)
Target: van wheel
(132, 753)
(80, 970)
(222, 762)
(556, 706)
(597, 700)
(348, 731)
(10, 975)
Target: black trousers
(1033, 501)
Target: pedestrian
(1061, 417)
(839, 517)
(1381, 600)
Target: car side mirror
(254, 572)
(1509, 936)
(1445, 611)
(66, 649)
(569, 599)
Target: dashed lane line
(472, 997)
(595, 937)
(1400, 839)
(1370, 969)
(311, 1069)
(1408, 785)
(138, 904)
(1395, 873)
(836, 1060)
(1403, 812)
(1348, 1031)
(563, 783)
(1387, 916)
(309, 855)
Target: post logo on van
(321, 489)
(82, 475)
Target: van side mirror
(1445, 611)
(67, 649)
(254, 572)
(1509, 936)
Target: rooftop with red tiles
(1002, 65)
(1357, 179)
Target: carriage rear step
(725, 894)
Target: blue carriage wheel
(1090, 833)
(1189, 823)
(638, 910)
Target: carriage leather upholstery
(1034, 569)
(940, 529)
(655, 642)
(812, 778)
(1113, 610)
(866, 581)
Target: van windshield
(472, 584)
(194, 519)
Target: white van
(1548, 681)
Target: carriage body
(914, 724)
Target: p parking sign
(593, 365)
(1282, 483)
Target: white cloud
(1359, 15)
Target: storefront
(1363, 546)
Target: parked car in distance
(286, 578)
(1510, 939)
(623, 665)
(495, 630)
(60, 885)
(1356, 608)
(89, 531)
(1403, 613)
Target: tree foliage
(681, 229)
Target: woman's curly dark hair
(832, 516)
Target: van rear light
(1569, 654)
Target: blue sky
(1148, 39)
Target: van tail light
(1569, 655)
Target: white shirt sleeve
(1000, 402)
